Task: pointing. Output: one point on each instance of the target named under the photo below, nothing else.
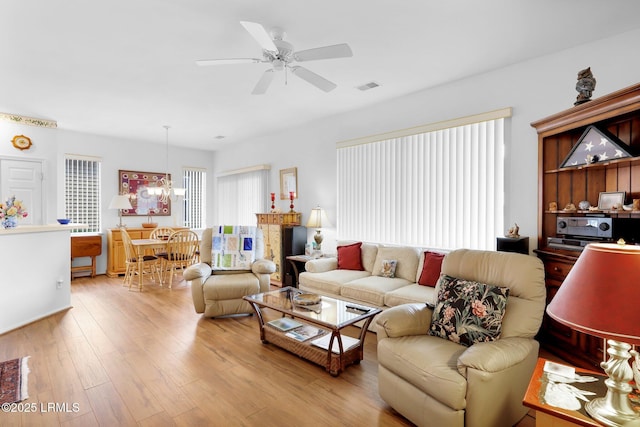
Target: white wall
(535, 89)
(50, 145)
(35, 275)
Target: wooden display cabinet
(283, 236)
(619, 114)
(116, 264)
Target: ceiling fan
(281, 55)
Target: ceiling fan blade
(311, 77)
(226, 61)
(261, 35)
(327, 52)
(263, 83)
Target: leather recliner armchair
(219, 292)
(436, 382)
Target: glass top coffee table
(309, 326)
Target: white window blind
(195, 206)
(441, 189)
(82, 191)
(242, 194)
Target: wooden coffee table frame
(334, 363)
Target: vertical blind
(439, 189)
(242, 194)
(195, 207)
(82, 191)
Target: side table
(552, 416)
(298, 262)
(513, 244)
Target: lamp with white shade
(120, 202)
(318, 219)
(600, 296)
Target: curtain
(441, 189)
(241, 194)
(195, 206)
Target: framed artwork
(135, 185)
(288, 183)
(610, 200)
(595, 146)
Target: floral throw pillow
(468, 312)
(388, 268)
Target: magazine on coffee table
(305, 332)
(284, 324)
(347, 343)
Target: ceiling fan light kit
(281, 54)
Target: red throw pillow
(349, 257)
(431, 268)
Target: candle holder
(291, 197)
(273, 202)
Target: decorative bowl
(584, 205)
(63, 220)
(307, 299)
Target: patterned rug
(13, 380)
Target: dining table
(141, 246)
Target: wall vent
(367, 86)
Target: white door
(23, 179)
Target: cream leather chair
(219, 293)
(436, 382)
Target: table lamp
(601, 296)
(318, 219)
(120, 202)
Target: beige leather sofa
(219, 293)
(436, 382)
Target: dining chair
(181, 252)
(161, 233)
(149, 262)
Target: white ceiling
(125, 68)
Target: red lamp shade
(601, 294)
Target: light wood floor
(123, 358)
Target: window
(242, 194)
(195, 206)
(436, 186)
(82, 189)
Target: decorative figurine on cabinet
(514, 232)
(585, 86)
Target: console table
(85, 246)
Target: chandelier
(165, 188)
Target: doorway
(23, 178)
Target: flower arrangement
(10, 211)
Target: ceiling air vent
(368, 86)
